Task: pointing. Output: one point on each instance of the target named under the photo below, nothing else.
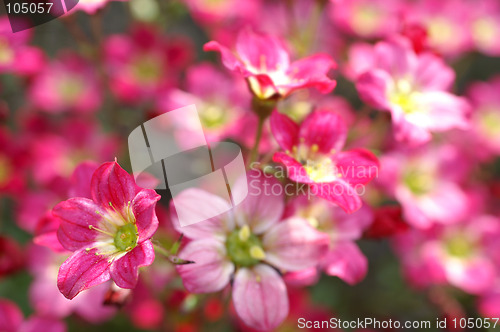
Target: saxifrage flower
(109, 234)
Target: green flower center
(126, 237)
(244, 248)
(459, 246)
(419, 182)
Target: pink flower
(265, 63)
(414, 89)
(92, 6)
(485, 26)
(47, 300)
(143, 63)
(425, 182)
(445, 22)
(244, 246)
(16, 55)
(344, 259)
(464, 255)
(110, 234)
(367, 18)
(217, 114)
(214, 12)
(67, 84)
(485, 118)
(313, 156)
(12, 320)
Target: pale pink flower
(414, 89)
(246, 245)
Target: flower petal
(207, 204)
(125, 271)
(325, 129)
(312, 72)
(347, 262)
(75, 216)
(357, 166)
(112, 184)
(285, 130)
(211, 270)
(260, 297)
(81, 179)
(10, 316)
(228, 58)
(143, 207)
(263, 52)
(264, 204)
(338, 192)
(295, 170)
(81, 271)
(294, 244)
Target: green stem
(258, 136)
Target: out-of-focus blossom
(16, 56)
(367, 18)
(344, 259)
(13, 164)
(110, 234)
(144, 63)
(69, 83)
(414, 89)
(313, 155)
(485, 118)
(209, 12)
(47, 300)
(462, 255)
(424, 181)
(218, 112)
(12, 320)
(244, 246)
(92, 6)
(445, 23)
(484, 26)
(11, 256)
(387, 221)
(265, 63)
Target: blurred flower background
(406, 92)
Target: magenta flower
(414, 89)
(313, 155)
(110, 234)
(265, 63)
(244, 246)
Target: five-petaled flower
(109, 234)
(247, 245)
(313, 156)
(265, 63)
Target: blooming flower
(12, 320)
(313, 155)
(110, 234)
(67, 84)
(244, 246)
(367, 18)
(344, 259)
(464, 255)
(143, 63)
(413, 88)
(425, 182)
(265, 63)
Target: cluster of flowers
(423, 155)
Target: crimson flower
(109, 234)
(312, 155)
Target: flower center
(319, 167)
(459, 246)
(404, 96)
(244, 248)
(419, 182)
(212, 116)
(5, 170)
(489, 121)
(125, 238)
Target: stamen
(100, 230)
(244, 233)
(257, 252)
(315, 148)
